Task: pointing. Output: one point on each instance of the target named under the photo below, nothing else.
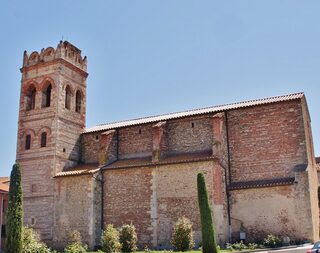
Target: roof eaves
(213, 109)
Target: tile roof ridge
(262, 100)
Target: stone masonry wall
(135, 141)
(188, 135)
(266, 141)
(192, 134)
(153, 198)
(281, 210)
(77, 207)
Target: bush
(272, 241)
(110, 240)
(31, 242)
(75, 244)
(182, 238)
(128, 238)
(238, 246)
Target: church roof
(213, 109)
(81, 169)
(4, 187)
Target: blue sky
(148, 57)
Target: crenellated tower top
(65, 50)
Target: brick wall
(266, 141)
(63, 128)
(153, 198)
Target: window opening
(43, 139)
(28, 142)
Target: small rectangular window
(28, 142)
(43, 139)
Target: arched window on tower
(31, 98)
(68, 98)
(28, 142)
(46, 96)
(43, 139)
(78, 101)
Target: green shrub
(31, 242)
(182, 238)
(207, 227)
(272, 241)
(14, 212)
(75, 244)
(238, 246)
(253, 246)
(110, 240)
(128, 238)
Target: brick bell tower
(51, 119)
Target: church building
(257, 157)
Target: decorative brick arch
(45, 82)
(68, 95)
(47, 86)
(33, 58)
(29, 91)
(44, 132)
(44, 129)
(23, 137)
(49, 52)
(64, 86)
(79, 100)
(26, 86)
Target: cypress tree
(207, 227)
(14, 219)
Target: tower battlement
(65, 50)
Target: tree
(207, 228)
(14, 220)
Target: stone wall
(153, 198)
(77, 206)
(281, 210)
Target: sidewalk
(297, 249)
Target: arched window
(68, 98)
(43, 139)
(46, 96)
(28, 142)
(31, 98)
(78, 101)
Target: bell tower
(52, 114)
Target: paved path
(299, 249)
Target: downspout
(229, 172)
(102, 182)
(102, 199)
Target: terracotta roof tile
(261, 183)
(4, 187)
(219, 108)
(83, 169)
(4, 180)
(147, 161)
